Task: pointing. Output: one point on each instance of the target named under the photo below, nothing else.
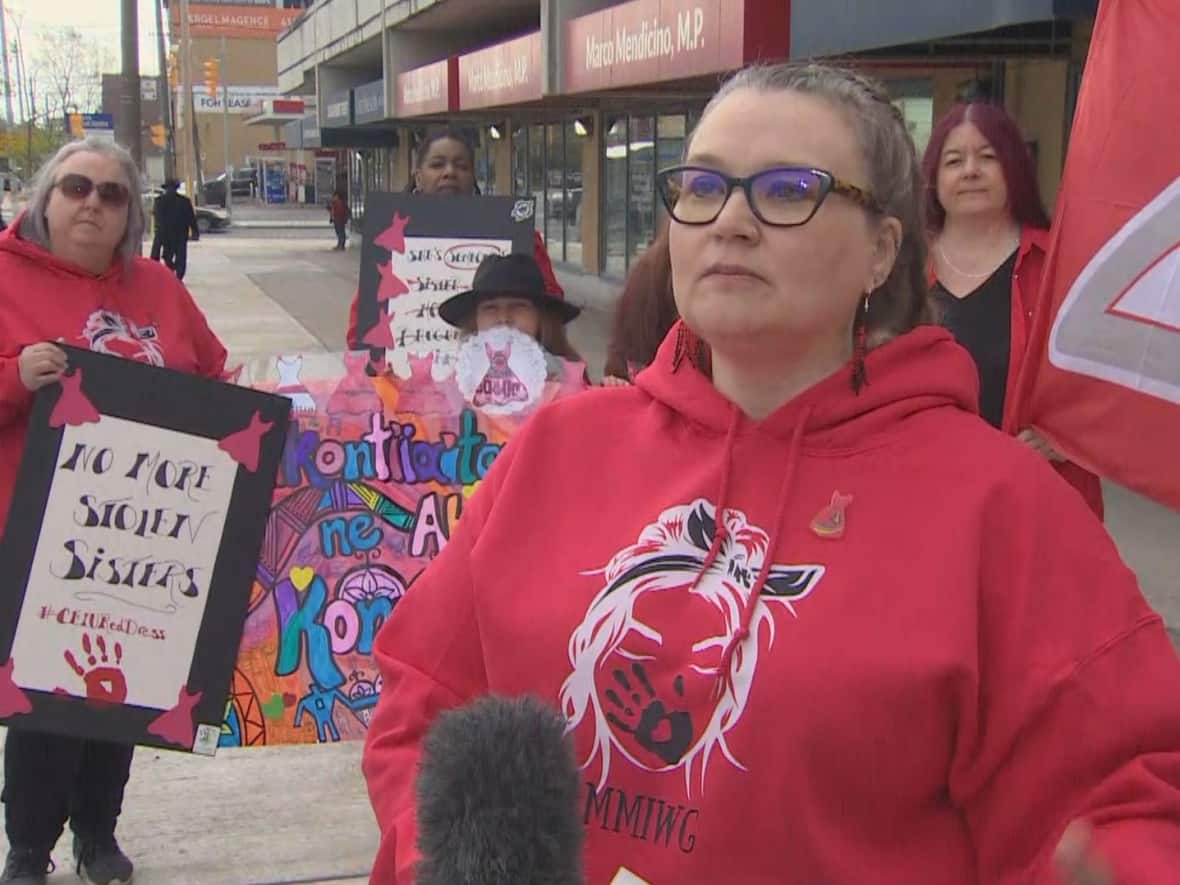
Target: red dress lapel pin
(832, 520)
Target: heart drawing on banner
(302, 577)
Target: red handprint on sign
(103, 677)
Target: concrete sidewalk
(259, 216)
(247, 320)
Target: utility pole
(18, 51)
(189, 104)
(229, 169)
(7, 72)
(165, 92)
(129, 128)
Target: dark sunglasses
(78, 187)
(786, 196)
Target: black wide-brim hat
(506, 275)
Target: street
(301, 814)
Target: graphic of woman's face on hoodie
(86, 229)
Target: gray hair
(35, 228)
(902, 301)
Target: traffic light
(77, 130)
(159, 136)
(173, 71)
(212, 76)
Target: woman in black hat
(509, 290)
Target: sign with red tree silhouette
(137, 519)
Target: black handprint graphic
(666, 733)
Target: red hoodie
(142, 312)
(911, 657)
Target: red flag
(1104, 382)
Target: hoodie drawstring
(751, 603)
(719, 532)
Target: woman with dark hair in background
(644, 313)
(988, 235)
(446, 166)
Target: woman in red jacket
(70, 271)
(446, 166)
(988, 236)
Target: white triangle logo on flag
(625, 877)
(1120, 321)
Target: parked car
(209, 218)
(243, 184)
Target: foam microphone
(497, 794)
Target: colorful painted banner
(373, 479)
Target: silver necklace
(964, 273)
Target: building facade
(239, 36)
(577, 103)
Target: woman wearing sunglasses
(809, 619)
(988, 234)
(70, 271)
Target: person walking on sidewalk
(175, 221)
(70, 272)
(340, 214)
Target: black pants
(341, 227)
(176, 257)
(49, 779)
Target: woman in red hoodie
(988, 231)
(70, 271)
(808, 618)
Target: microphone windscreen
(497, 797)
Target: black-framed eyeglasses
(79, 187)
(785, 196)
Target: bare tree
(68, 70)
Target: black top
(175, 217)
(981, 321)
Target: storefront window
(536, 170)
(520, 161)
(547, 166)
(576, 133)
(670, 136)
(614, 196)
(915, 100)
(485, 163)
(641, 169)
(555, 190)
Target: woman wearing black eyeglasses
(70, 271)
(809, 619)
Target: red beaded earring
(859, 332)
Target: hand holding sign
(41, 364)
